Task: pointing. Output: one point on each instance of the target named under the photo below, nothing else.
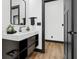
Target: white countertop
(19, 36)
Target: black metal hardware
(49, 0)
(33, 20)
(62, 24)
(24, 21)
(13, 53)
(71, 32)
(38, 23)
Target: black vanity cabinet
(19, 49)
(27, 46)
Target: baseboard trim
(39, 50)
(54, 41)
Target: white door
(54, 18)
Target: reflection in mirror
(15, 15)
(18, 12)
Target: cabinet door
(30, 49)
(9, 49)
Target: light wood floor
(52, 51)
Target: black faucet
(20, 28)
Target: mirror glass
(18, 12)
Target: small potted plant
(10, 29)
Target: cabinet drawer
(31, 49)
(8, 48)
(31, 40)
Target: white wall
(54, 18)
(5, 14)
(35, 10)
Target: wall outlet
(51, 36)
(38, 23)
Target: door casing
(74, 17)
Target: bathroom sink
(19, 35)
(23, 32)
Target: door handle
(62, 24)
(71, 32)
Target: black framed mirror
(18, 12)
